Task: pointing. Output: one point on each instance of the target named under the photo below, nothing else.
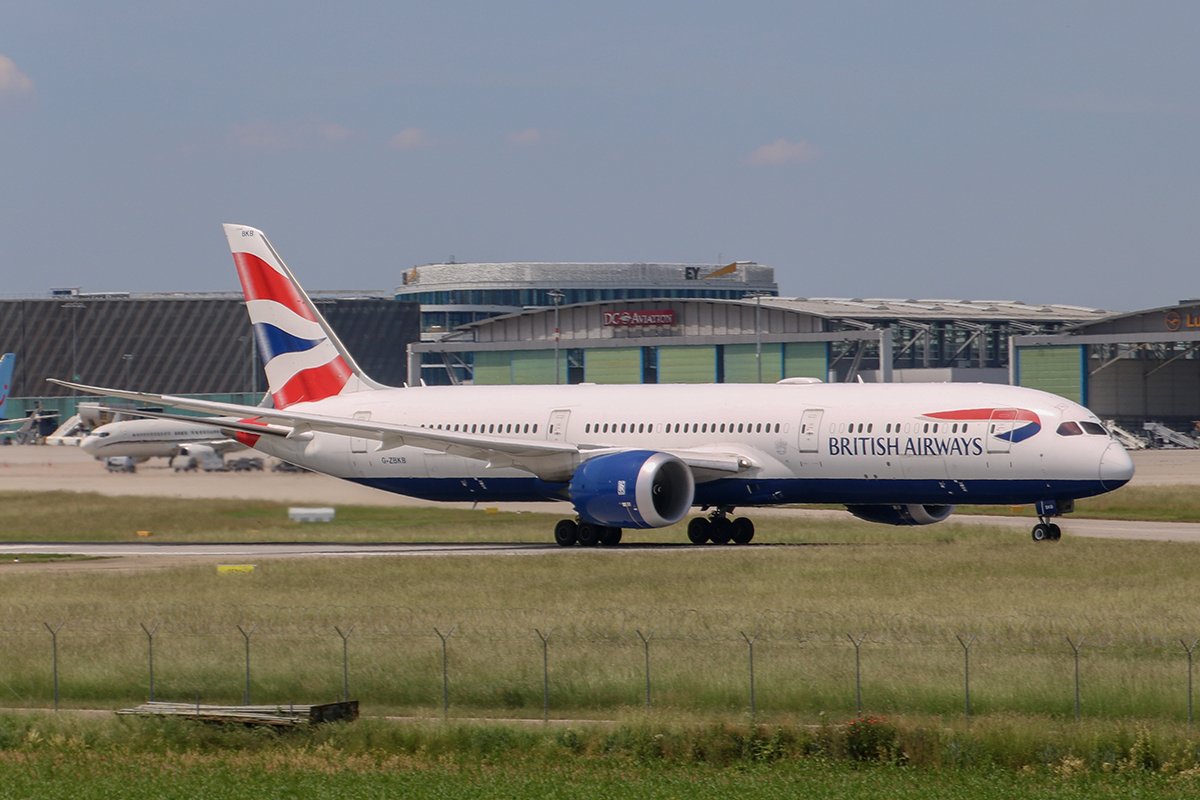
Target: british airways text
(905, 446)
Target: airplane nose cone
(1116, 467)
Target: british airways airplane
(643, 456)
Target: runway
(177, 553)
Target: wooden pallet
(282, 716)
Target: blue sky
(1040, 151)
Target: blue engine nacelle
(634, 489)
(911, 514)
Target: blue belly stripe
(774, 491)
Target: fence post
(646, 637)
(150, 653)
(545, 637)
(1189, 650)
(246, 635)
(966, 646)
(345, 660)
(858, 706)
(753, 707)
(1075, 648)
(445, 672)
(54, 656)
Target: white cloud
(264, 135)
(409, 139)
(525, 138)
(12, 80)
(782, 151)
(332, 132)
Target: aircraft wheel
(589, 534)
(1041, 532)
(742, 531)
(1055, 532)
(698, 530)
(722, 530)
(566, 533)
(610, 537)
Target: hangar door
(612, 365)
(537, 366)
(493, 367)
(516, 366)
(741, 366)
(1058, 369)
(687, 364)
(806, 360)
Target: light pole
(557, 296)
(74, 339)
(758, 296)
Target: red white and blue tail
(303, 357)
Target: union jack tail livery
(303, 358)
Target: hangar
(763, 338)
(1139, 368)
(178, 344)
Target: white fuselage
(835, 443)
(148, 438)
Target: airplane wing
(551, 461)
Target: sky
(1037, 151)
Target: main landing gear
(718, 528)
(568, 533)
(1045, 530)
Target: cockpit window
(1070, 429)
(1094, 428)
(102, 434)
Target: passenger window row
(682, 427)
(483, 427)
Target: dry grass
(908, 596)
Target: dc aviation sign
(637, 319)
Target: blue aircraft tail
(6, 373)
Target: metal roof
(573, 275)
(878, 308)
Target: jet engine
(633, 489)
(910, 514)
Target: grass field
(45, 757)
(72, 516)
(904, 593)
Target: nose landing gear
(1045, 530)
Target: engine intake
(633, 489)
(911, 514)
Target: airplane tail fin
(6, 372)
(303, 357)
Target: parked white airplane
(142, 439)
(641, 456)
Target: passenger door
(809, 430)
(556, 428)
(1002, 423)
